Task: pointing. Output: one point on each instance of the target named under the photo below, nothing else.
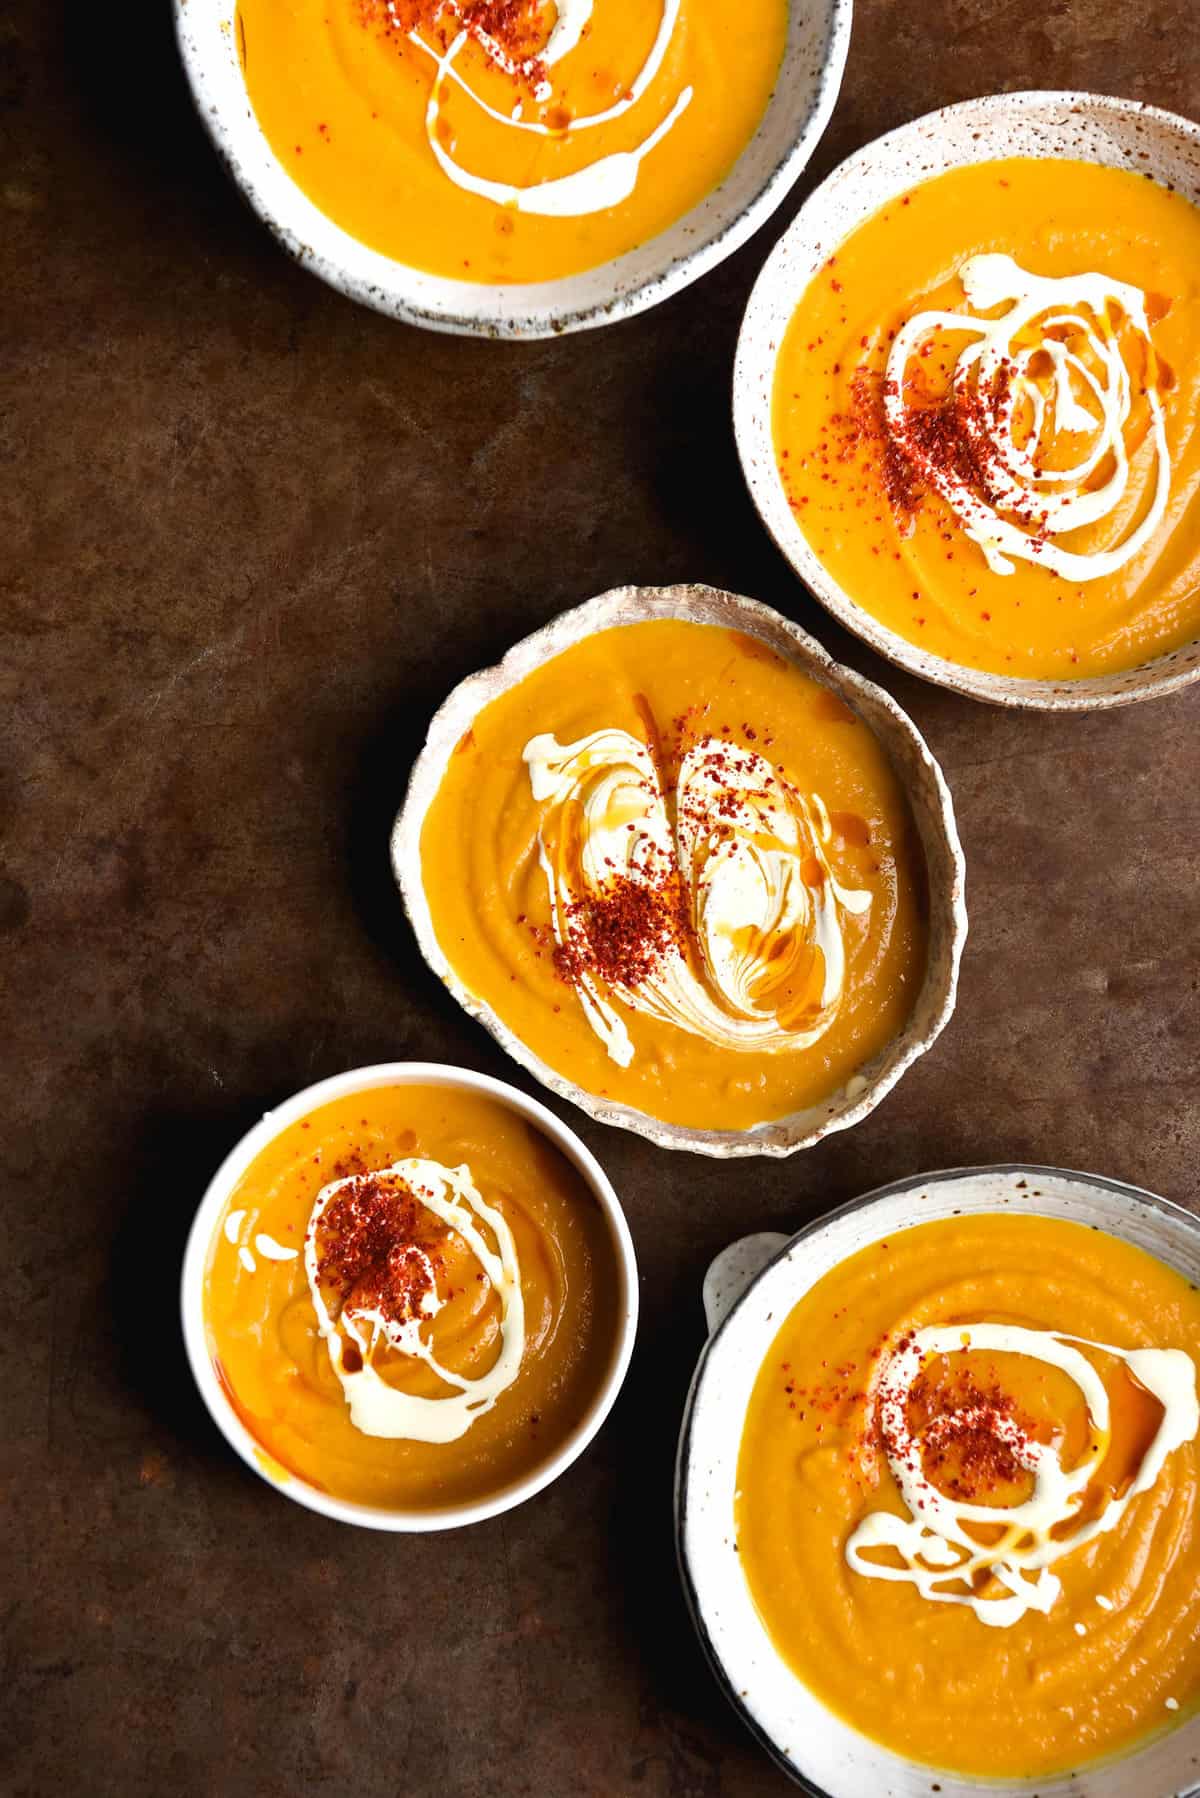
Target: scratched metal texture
(249, 536)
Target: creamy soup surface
(987, 417)
(967, 1494)
(412, 1298)
(683, 872)
(502, 140)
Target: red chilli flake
(948, 435)
(372, 1243)
(516, 27)
(967, 1457)
(622, 933)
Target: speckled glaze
(1089, 127)
(195, 1261)
(797, 113)
(916, 770)
(821, 1753)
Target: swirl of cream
(1089, 396)
(934, 1545)
(377, 1408)
(601, 184)
(744, 860)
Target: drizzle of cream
(377, 1408)
(602, 184)
(1090, 397)
(584, 121)
(934, 1547)
(740, 840)
(247, 1259)
(272, 1250)
(233, 1224)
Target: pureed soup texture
(506, 140)
(987, 418)
(412, 1298)
(967, 1492)
(683, 873)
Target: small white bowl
(749, 1290)
(1120, 134)
(797, 113)
(912, 762)
(199, 1245)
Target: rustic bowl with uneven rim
(796, 115)
(749, 1291)
(200, 1243)
(1085, 127)
(916, 769)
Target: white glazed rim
(1075, 1782)
(200, 1237)
(752, 426)
(777, 1137)
(437, 303)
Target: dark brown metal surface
(250, 536)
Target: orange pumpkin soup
(967, 1492)
(508, 142)
(683, 873)
(411, 1298)
(987, 418)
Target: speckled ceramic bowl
(1088, 127)
(919, 775)
(749, 1291)
(798, 111)
(228, 1417)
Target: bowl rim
(812, 658)
(1014, 692)
(465, 310)
(1140, 1195)
(200, 1238)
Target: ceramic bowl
(1088, 127)
(749, 1290)
(915, 767)
(200, 1239)
(796, 115)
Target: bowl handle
(732, 1271)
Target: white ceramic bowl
(195, 1261)
(798, 111)
(1089, 127)
(916, 770)
(750, 1289)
